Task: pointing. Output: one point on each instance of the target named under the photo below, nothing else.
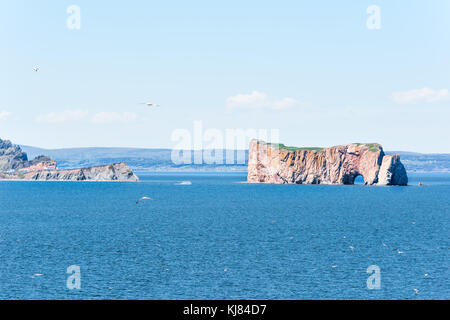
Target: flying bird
(142, 199)
(36, 69)
(416, 291)
(149, 104)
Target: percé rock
(14, 165)
(113, 172)
(276, 163)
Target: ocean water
(222, 239)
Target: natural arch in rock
(353, 178)
(359, 180)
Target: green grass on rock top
(374, 147)
(282, 146)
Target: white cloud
(421, 95)
(284, 103)
(110, 117)
(4, 115)
(259, 100)
(62, 116)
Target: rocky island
(14, 165)
(279, 164)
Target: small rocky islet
(14, 165)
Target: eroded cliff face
(270, 163)
(113, 172)
(14, 165)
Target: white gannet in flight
(36, 69)
(149, 104)
(142, 199)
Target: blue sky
(311, 69)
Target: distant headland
(276, 163)
(14, 165)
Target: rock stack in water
(276, 163)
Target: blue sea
(220, 238)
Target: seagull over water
(142, 199)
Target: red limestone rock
(276, 163)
